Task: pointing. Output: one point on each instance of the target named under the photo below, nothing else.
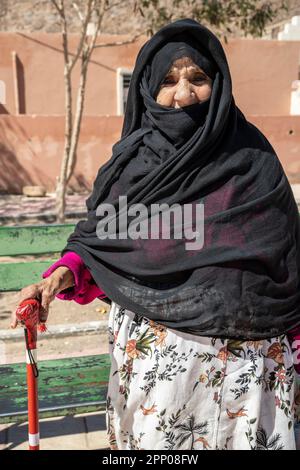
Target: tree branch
(89, 9)
(111, 6)
(100, 10)
(58, 7)
(85, 57)
(76, 8)
(119, 43)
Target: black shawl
(244, 281)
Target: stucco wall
(31, 148)
(41, 72)
(31, 144)
(262, 73)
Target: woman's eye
(169, 81)
(199, 79)
(172, 81)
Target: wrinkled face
(185, 84)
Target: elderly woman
(198, 331)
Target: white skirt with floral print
(170, 390)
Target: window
(123, 81)
(2, 92)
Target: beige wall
(262, 73)
(31, 148)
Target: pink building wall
(31, 148)
(262, 73)
(31, 144)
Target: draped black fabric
(244, 281)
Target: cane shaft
(32, 393)
(27, 314)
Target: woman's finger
(29, 292)
(46, 298)
(13, 321)
(44, 312)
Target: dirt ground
(50, 346)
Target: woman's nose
(184, 94)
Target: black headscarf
(244, 281)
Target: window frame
(121, 71)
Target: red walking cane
(28, 315)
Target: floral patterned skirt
(170, 390)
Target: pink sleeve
(294, 340)
(85, 290)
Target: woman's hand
(45, 291)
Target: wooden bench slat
(21, 417)
(34, 239)
(15, 276)
(65, 386)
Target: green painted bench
(66, 386)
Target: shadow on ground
(83, 432)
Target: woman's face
(185, 84)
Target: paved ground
(80, 432)
(17, 209)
